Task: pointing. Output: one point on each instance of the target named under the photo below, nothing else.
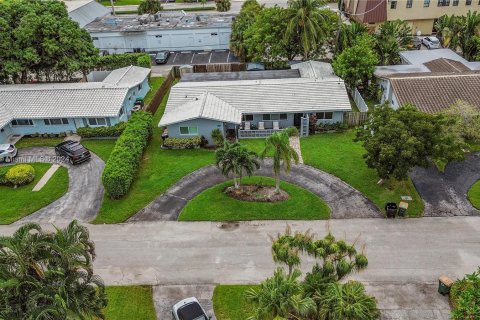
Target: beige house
(420, 14)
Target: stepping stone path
(295, 144)
(43, 181)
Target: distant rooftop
(159, 21)
(85, 11)
(240, 75)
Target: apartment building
(420, 14)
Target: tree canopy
(243, 21)
(149, 6)
(38, 40)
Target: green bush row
(183, 143)
(18, 175)
(115, 61)
(113, 131)
(124, 160)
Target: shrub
(292, 131)
(124, 160)
(113, 131)
(217, 137)
(20, 174)
(465, 297)
(3, 173)
(183, 143)
(223, 5)
(115, 61)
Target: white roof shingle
(127, 77)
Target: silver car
(431, 42)
(7, 152)
(189, 309)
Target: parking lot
(178, 58)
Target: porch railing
(245, 134)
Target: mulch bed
(256, 193)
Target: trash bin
(391, 209)
(444, 285)
(402, 208)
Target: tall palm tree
(281, 296)
(283, 154)
(348, 33)
(307, 22)
(236, 160)
(347, 301)
(470, 30)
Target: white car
(431, 42)
(7, 152)
(189, 309)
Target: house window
(274, 116)
(325, 115)
(283, 116)
(94, 38)
(468, 2)
(393, 4)
(455, 3)
(426, 3)
(121, 112)
(248, 117)
(188, 130)
(443, 3)
(139, 87)
(55, 122)
(97, 121)
(266, 116)
(22, 122)
(409, 3)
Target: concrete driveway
(344, 200)
(85, 190)
(445, 194)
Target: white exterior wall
(168, 39)
(205, 128)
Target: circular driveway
(85, 190)
(344, 201)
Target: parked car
(431, 42)
(162, 57)
(7, 152)
(189, 309)
(73, 151)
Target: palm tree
(281, 296)
(283, 154)
(307, 22)
(149, 6)
(347, 301)
(348, 33)
(469, 32)
(235, 159)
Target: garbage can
(444, 285)
(402, 208)
(391, 209)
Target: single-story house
(432, 80)
(52, 108)
(258, 107)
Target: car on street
(431, 42)
(73, 151)
(189, 309)
(162, 57)
(7, 152)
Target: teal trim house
(52, 108)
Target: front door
(297, 119)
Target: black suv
(74, 151)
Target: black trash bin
(391, 209)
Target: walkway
(445, 194)
(345, 201)
(295, 144)
(85, 191)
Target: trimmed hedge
(183, 143)
(3, 173)
(116, 61)
(124, 160)
(18, 175)
(113, 131)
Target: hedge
(3, 173)
(113, 131)
(116, 61)
(124, 160)
(18, 175)
(182, 143)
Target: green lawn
(337, 154)
(20, 202)
(155, 83)
(121, 3)
(130, 302)
(213, 205)
(27, 142)
(101, 147)
(256, 145)
(230, 303)
(159, 170)
(474, 195)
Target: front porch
(246, 134)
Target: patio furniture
(276, 125)
(246, 125)
(261, 125)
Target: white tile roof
(85, 11)
(264, 96)
(5, 116)
(206, 106)
(314, 69)
(127, 77)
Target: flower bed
(256, 193)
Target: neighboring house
(166, 30)
(419, 14)
(432, 80)
(85, 11)
(258, 107)
(52, 108)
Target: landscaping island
(474, 195)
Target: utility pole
(113, 7)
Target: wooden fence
(353, 119)
(219, 67)
(162, 91)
